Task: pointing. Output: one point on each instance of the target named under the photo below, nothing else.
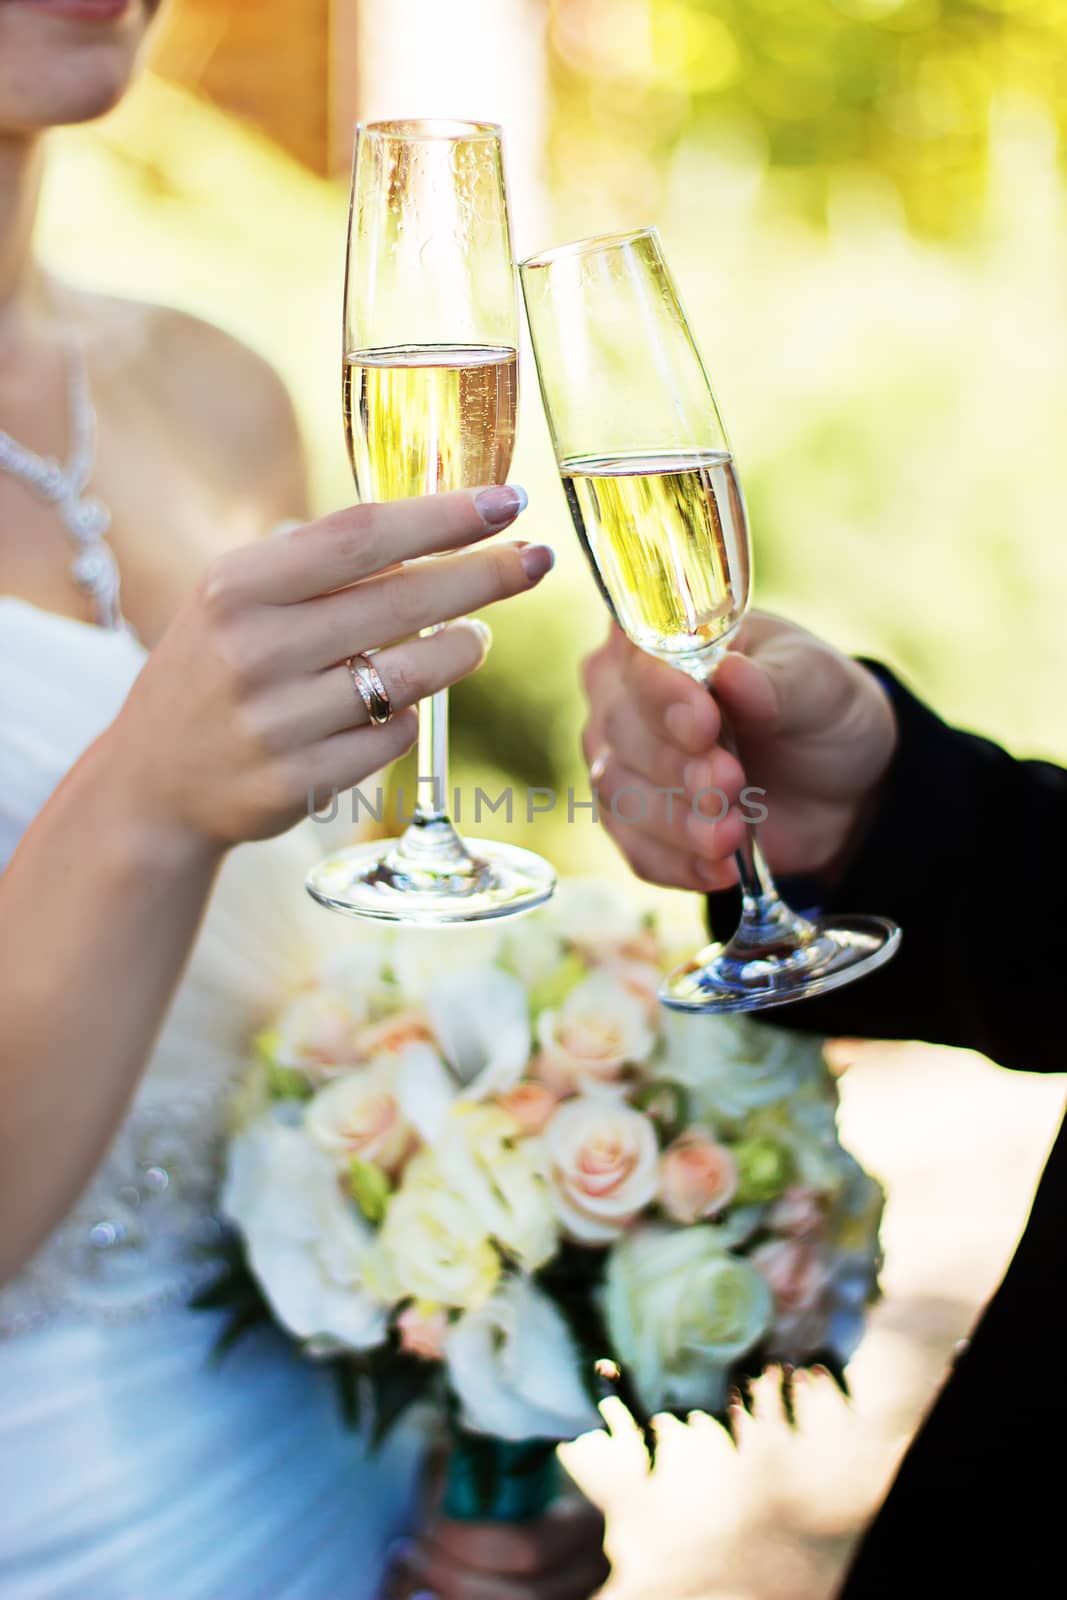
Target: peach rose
(698, 1177)
(392, 1035)
(530, 1104)
(422, 1330)
(604, 1164)
(358, 1115)
(799, 1280)
(600, 1028)
(798, 1213)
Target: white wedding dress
(131, 1468)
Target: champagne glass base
(381, 880)
(839, 950)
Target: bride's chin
(67, 61)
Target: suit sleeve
(967, 853)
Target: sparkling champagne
(420, 419)
(668, 540)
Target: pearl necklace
(87, 520)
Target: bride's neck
(20, 278)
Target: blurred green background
(864, 206)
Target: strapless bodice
(132, 1241)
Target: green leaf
(347, 1377)
(553, 990)
(370, 1188)
(789, 1396)
(284, 1083)
(764, 1168)
(667, 1103)
(240, 1322)
(398, 1381)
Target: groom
(874, 802)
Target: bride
(146, 734)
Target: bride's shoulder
(210, 389)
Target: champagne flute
(656, 502)
(429, 391)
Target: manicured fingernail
(598, 766)
(501, 504)
(680, 726)
(482, 629)
(537, 559)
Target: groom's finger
(670, 702)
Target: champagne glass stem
(431, 800)
(768, 927)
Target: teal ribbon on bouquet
(499, 1480)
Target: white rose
(681, 1312)
(533, 949)
(603, 1161)
(731, 1066)
(601, 917)
(422, 955)
(306, 1244)
(356, 973)
(359, 1115)
(806, 1126)
(600, 1028)
(514, 1367)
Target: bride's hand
(558, 1557)
(246, 707)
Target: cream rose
(600, 1028)
(681, 1312)
(359, 1115)
(432, 1245)
(603, 1160)
(698, 1177)
(477, 1192)
(482, 1157)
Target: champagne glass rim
(581, 247)
(452, 130)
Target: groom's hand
(815, 731)
(560, 1556)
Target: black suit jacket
(969, 855)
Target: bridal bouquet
(483, 1167)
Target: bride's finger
(398, 604)
(313, 708)
(344, 760)
(352, 544)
